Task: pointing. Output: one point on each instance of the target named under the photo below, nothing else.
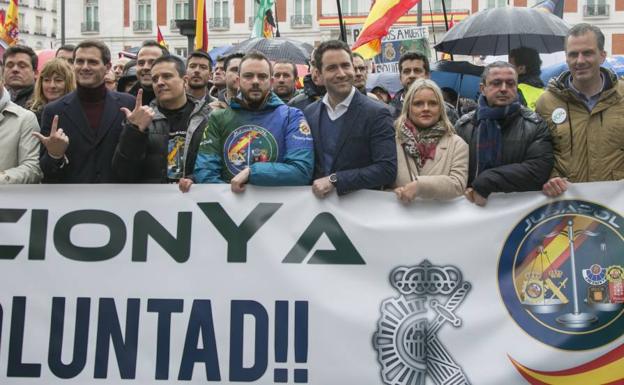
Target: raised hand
(56, 144)
(142, 115)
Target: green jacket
(588, 145)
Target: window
(596, 8)
(91, 12)
(302, 7)
(220, 9)
(181, 9)
(144, 10)
(39, 25)
(181, 51)
(349, 7)
(494, 3)
(437, 5)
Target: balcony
(39, 5)
(142, 26)
(90, 27)
(39, 31)
(252, 20)
(173, 26)
(596, 10)
(301, 21)
(219, 24)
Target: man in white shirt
(353, 135)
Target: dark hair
(415, 56)
(582, 29)
(128, 65)
(357, 54)
(256, 55)
(235, 55)
(496, 64)
(65, 47)
(528, 57)
(295, 72)
(179, 63)
(153, 43)
(201, 55)
(326, 46)
(104, 51)
(220, 58)
(21, 49)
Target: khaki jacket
(588, 146)
(443, 177)
(19, 149)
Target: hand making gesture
(142, 115)
(56, 144)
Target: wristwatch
(333, 178)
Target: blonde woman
(432, 160)
(56, 79)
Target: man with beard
(353, 135)
(150, 50)
(285, 79)
(199, 71)
(218, 77)
(231, 65)
(412, 66)
(20, 70)
(258, 140)
(159, 143)
(80, 131)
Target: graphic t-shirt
(178, 121)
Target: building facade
(126, 23)
(38, 22)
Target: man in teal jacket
(258, 140)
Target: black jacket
(89, 153)
(527, 154)
(311, 93)
(148, 93)
(141, 157)
(23, 97)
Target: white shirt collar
(341, 108)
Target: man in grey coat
(19, 149)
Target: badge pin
(559, 115)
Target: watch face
(333, 178)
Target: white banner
(142, 284)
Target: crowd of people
(159, 119)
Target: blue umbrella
(218, 51)
(614, 63)
(461, 76)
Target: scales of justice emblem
(545, 287)
(406, 340)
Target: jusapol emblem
(406, 340)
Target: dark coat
(90, 156)
(366, 155)
(527, 154)
(311, 93)
(141, 157)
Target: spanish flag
(160, 39)
(381, 17)
(9, 31)
(201, 31)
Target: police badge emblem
(406, 340)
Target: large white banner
(142, 284)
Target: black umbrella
(276, 48)
(497, 31)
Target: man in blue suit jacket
(80, 131)
(353, 135)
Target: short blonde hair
(53, 67)
(418, 85)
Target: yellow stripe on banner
(554, 249)
(370, 49)
(380, 8)
(603, 375)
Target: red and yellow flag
(382, 15)
(201, 30)
(160, 39)
(9, 31)
(606, 369)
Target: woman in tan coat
(432, 159)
